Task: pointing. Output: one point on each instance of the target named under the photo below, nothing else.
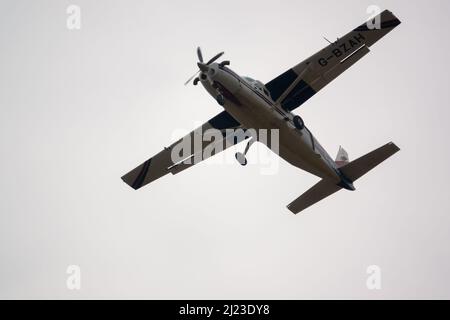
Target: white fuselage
(255, 110)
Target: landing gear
(240, 157)
(298, 123)
(220, 100)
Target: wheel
(220, 100)
(240, 157)
(298, 123)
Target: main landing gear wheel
(220, 100)
(240, 157)
(298, 123)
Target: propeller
(201, 65)
(217, 56)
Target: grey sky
(81, 108)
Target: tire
(298, 123)
(220, 100)
(240, 157)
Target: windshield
(257, 85)
(248, 79)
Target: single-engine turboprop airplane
(251, 104)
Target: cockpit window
(258, 85)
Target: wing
(194, 146)
(294, 87)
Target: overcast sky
(79, 108)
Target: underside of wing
(212, 137)
(295, 86)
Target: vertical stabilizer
(342, 158)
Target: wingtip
(395, 18)
(124, 179)
(289, 208)
(396, 148)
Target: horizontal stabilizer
(351, 172)
(319, 191)
(359, 167)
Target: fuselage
(249, 102)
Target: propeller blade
(217, 56)
(190, 79)
(199, 54)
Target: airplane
(249, 103)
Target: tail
(341, 158)
(351, 172)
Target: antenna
(327, 40)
